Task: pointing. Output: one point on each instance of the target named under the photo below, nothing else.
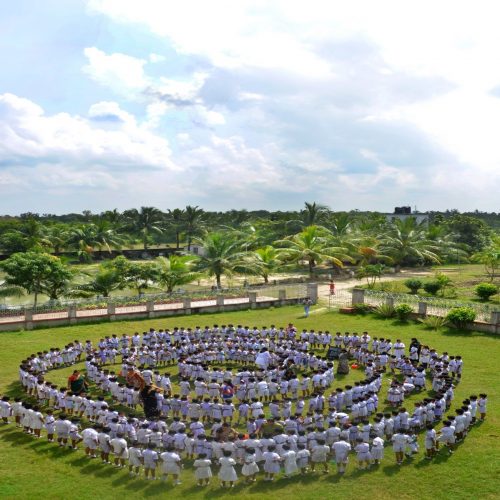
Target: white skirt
(227, 473)
(250, 469)
(203, 472)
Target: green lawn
(464, 277)
(32, 468)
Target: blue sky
(250, 104)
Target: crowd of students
(247, 400)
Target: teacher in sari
(77, 383)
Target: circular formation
(263, 399)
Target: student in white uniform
(319, 455)
(150, 457)
(430, 442)
(90, 441)
(341, 450)
(171, 464)
(135, 459)
(5, 409)
(120, 449)
(377, 450)
(399, 441)
(363, 454)
(289, 458)
(250, 467)
(227, 472)
(203, 469)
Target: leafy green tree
(36, 273)
(222, 255)
(469, 230)
(371, 272)
(29, 235)
(141, 275)
(176, 270)
(490, 258)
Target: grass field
(31, 468)
(464, 278)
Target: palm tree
(312, 245)
(175, 220)
(145, 221)
(313, 213)
(57, 234)
(83, 240)
(193, 223)
(105, 281)
(105, 235)
(176, 270)
(266, 261)
(406, 240)
(222, 255)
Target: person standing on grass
(399, 442)
(307, 306)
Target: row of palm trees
(230, 251)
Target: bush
(385, 311)
(403, 311)
(460, 317)
(413, 284)
(433, 322)
(485, 290)
(432, 287)
(361, 308)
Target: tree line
(313, 239)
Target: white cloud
(123, 73)
(110, 138)
(156, 58)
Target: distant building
(403, 213)
(197, 250)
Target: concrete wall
(30, 324)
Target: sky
(249, 104)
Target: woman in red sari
(77, 383)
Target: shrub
(433, 322)
(385, 311)
(485, 290)
(413, 285)
(460, 317)
(361, 308)
(432, 287)
(403, 311)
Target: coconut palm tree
(222, 255)
(265, 261)
(193, 223)
(312, 245)
(82, 239)
(313, 213)
(406, 241)
(176, 270)
(175, 219)
(145, 221)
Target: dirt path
(347, 284)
